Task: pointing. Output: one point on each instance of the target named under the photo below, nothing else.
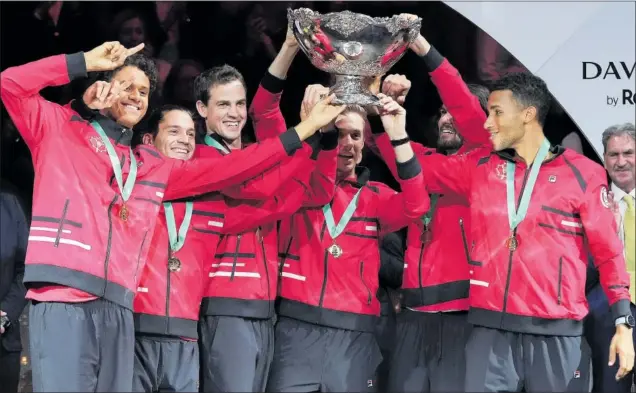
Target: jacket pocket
(559, 281)
(364, 283)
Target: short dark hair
(528, 90)
(138, 60)
(157, 116)
(482, 93)
(215, 76)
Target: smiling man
(527, 277)
(619, 145)
(222, 102)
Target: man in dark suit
(13, 240)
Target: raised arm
(468, 115)
(20, 86)
(265, 109)
(396, 210)
(213, 173)
(20, 90)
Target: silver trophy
(354, 48)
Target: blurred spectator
(493, 60)
(178, 87)
(14, 227)
(131, 28)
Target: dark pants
(236, 353)
(599, 330)
(311, 358)
(81, 347)
(9, 370)
(386, 337)
(429, 353)
(497, 361)
(165, 364)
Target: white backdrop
(553, 39)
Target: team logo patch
(577, 374)
(369, 383)
(552, 179)
(604, 197)
(97, 144)
(500, 170)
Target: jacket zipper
(559, 283)
(109, 241)
(139, 257)
(326, 266)
(324, 279)
(238, 243)
(364, 283)
(464, 240)
(419, 272)
(514, 233)
(168, 293)
(269, 294)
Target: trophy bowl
(354, 48)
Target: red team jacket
(77, 239)
(243, 278)
(340, 292)
(540, 287)
(168, 302)
(436, 273)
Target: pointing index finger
(136, 49)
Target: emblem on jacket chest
(500, 171)
(97, 144)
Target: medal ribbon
(428, 217)
(127, 188)
(214, 143)
(177, 240)
(336, 230)
(515, 216)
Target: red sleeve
(210, 173)
(467, 113)
(20, 87)
(322, 181)
(397, 210)
(605, 246)
(265, 111)
(313, 187)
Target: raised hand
(109, 56)
(324, 112)
(393, 117)
(397, 87)
(102, 95)
(290, 39)
(313, 94)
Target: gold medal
(335, 250)
(174, 264)
(123, 213)
(512, 243)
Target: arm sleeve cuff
(314, 142)
(272, 84)
(76, 66)
(620, 309)
(329, 140)
(408, 170)
(290, 140)
(432, 59)
(376, 124)
(84, 111)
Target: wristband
(400, 142)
